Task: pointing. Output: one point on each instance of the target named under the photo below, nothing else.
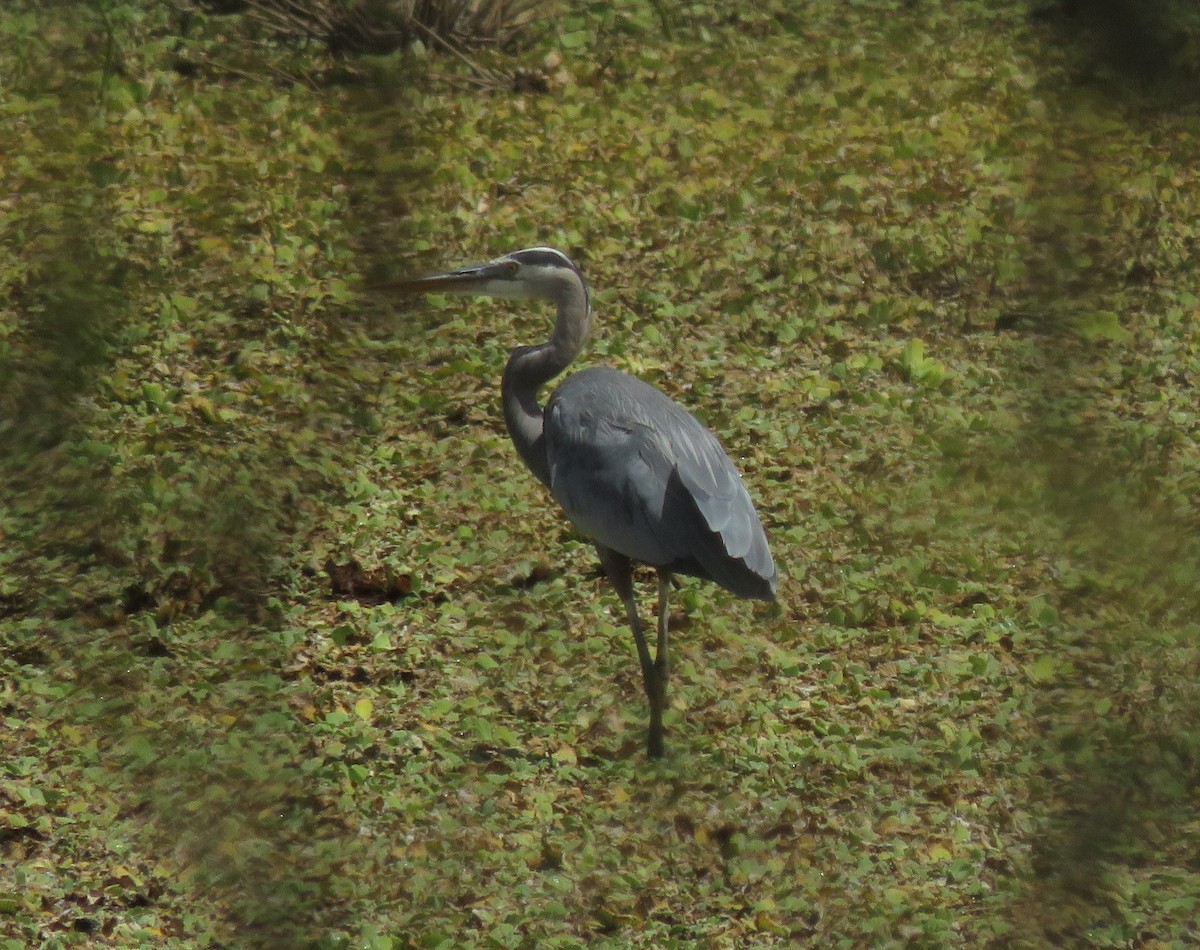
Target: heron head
(535, 273)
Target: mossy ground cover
(293, 650)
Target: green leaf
(1102, 325)
(1043, 669)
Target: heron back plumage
(637, 473)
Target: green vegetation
(293, 652)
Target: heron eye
(513, 268)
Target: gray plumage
(633, 471)
(640, 475)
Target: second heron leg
(661, 663)
(620, 574)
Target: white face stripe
(543, 257)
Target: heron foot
(655, 681)
(654, 742)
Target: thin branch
(494, 78)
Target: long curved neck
(531, 367)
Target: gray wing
(640, 475)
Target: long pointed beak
(463, 280)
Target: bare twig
(492, 78)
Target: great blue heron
(635, 472)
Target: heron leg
(660, 653)
(654, 679)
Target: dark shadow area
(137, 575)
(1130, 47)
(1116, 779)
